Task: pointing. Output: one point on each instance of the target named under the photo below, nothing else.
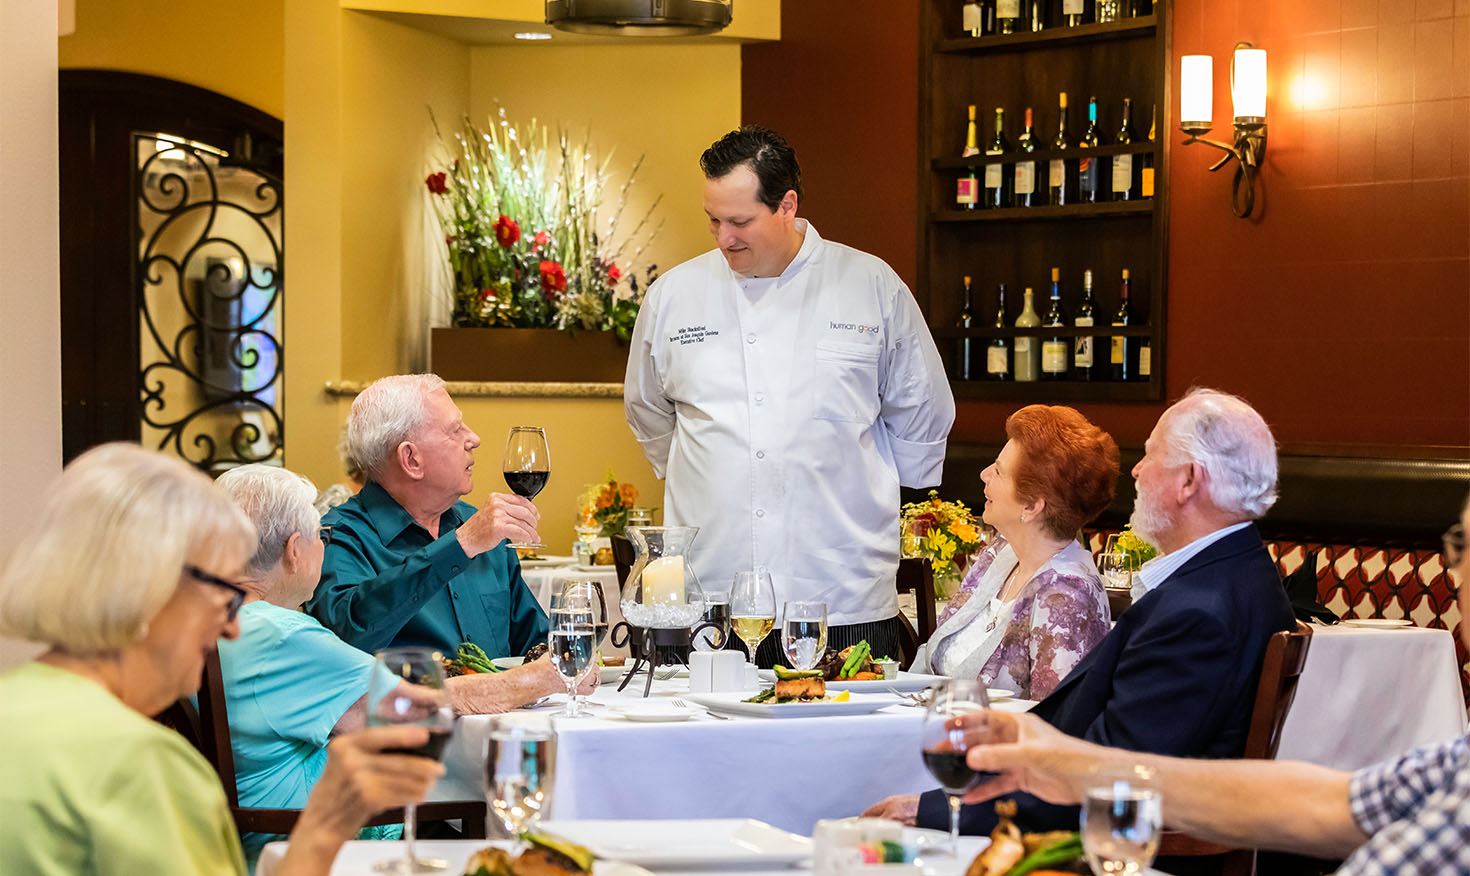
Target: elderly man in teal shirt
(410, 564)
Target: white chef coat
(784, 412)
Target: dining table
(788, 771)
(1368, 694)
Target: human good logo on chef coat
(692, 334)
(853, 327)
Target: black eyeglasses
(325, 533)
(237, 593)
(1453, 542)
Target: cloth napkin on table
(1301, 589)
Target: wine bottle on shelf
(1082, 349)
(1054, 349)
(998, 354)
(1145, 359)
(1146, 178)
(1125, 186)
(1090, 170)
(1137, 8)
(1035, 15)
(1025, 173)
(967, 190)
(1074, 11)
(998, 178)
(1123, 356)
(1061, 175)
(1007, 13)
(1028, 351)
(1108, 10)
(964, 359)
(971, 20)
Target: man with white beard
(1177, 675)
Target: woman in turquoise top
(127, 578)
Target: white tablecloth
(1369, 695)
(789, 772)
(543, 581)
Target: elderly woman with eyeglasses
(129, 578)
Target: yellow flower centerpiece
(946, 533)
(607, 505)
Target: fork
(678, 703)
(912, 698)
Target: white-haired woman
(129, 577)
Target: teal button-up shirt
(386, 581)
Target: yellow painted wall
(233, 48)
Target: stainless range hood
(650, 18)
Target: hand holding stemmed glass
(407, 688)
(804, 633)
(527, 465)
(752, 607)
(944, 744)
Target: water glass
(804, 633)
(1116, 570)
(581, 600)
(519, 771)
(952, 707)
(1122, 819)
(572, 641)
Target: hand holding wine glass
(527, 465)
(945, 743)
(407, 688)
(752, 607)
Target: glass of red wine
(953, 703)
(527, 465)
(407, 688)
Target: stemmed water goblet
(1122, 821)
(804, 633)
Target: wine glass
(944, 745)
(1116, 570)
(804, 633)
(407, 688)
(527, 465)
(582, 598)
(753, 607)
(572, 640)
(714, 629)
(1122, 819)
(519, 770)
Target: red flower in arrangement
(507, 231)
(553, 278)
(449, 240)
(614, 273)
(435, 182)
(542, 239)
(486, 294)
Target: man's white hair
(384, 415)
(279, 503)
(1224, 435)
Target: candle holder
(662, 601)
(653, 647)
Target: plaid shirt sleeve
(1415, 811)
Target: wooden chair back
(1281, 670)
(213, 741)
(916, 576)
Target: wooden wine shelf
(1143, 148)
(1144, 208)
(1144, 25)
(1100, 330)
(1052, 390)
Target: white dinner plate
(586, 570)
(730, 704)
(719, 842)
(547, 562)
(907, 682)
(656, 712)
(1377, 623)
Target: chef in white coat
(785, 386)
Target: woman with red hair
(1032, 603)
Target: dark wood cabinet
(1018, 246)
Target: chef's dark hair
(768, 155)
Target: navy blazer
(1177, 675)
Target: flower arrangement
(607, 505)
(944, 532)
(1138, 550)
(521, 240)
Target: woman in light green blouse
(128, 578)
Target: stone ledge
(500, 389)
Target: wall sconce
(1248, 90)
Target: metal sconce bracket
(1248, 150)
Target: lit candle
(663, 581)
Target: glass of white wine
(519, 771)
(1122, 819)
(804, 633)
(752, 607)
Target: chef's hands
(503, 516)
